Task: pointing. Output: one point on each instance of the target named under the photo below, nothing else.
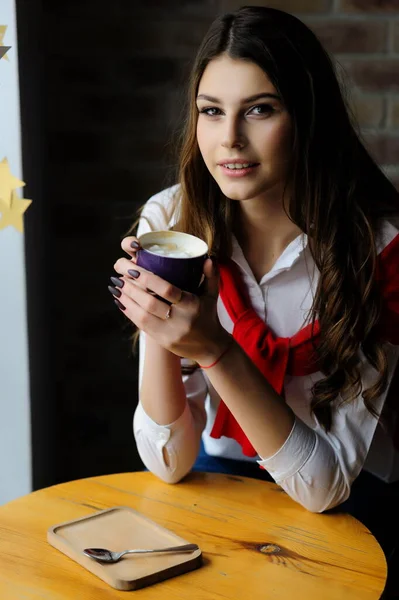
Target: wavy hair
(339, 194)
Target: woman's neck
(263, 231)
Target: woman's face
(241, 118)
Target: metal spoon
(107, 556)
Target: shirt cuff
(160, 434)
(293, 454)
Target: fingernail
(135, 245)
(114, 291)
(117, 281)
(134, 273)
(119, 304)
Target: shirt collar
(285, 261)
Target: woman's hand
(183, 323)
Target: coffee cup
(176, 257)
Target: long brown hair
(339, 193)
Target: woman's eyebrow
(245, 101)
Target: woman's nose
(232, 135)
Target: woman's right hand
(131, 245)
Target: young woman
(296, 332)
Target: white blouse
(314, 467)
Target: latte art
(168, 249)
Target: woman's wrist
(158, 350)
(215, 351)
(219, 358)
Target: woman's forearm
(162, 392)
(262, 414)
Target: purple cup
(183, 272)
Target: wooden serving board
(122, 528)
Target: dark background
(101, 87)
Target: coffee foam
(173, 244)
(168, 249)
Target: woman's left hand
(188, 326)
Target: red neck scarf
(276, 356)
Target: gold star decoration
(13, 214)
(3, 49)
(12, 207)
(8, 182)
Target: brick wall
(363, 35)
(113, 78)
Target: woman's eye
(259, 109)
(262, 109)
(211, 111)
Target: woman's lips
(238, 172)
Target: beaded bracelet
(218, 359)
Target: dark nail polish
(135, 245)
(134, 273)
(114, 291)
(119, 304)
(117, 281)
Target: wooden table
(256, 542)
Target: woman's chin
(239, 191)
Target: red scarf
(276, 356)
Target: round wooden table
(256, 542)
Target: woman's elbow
(162, 464)
(170, 477)
(320, 499)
